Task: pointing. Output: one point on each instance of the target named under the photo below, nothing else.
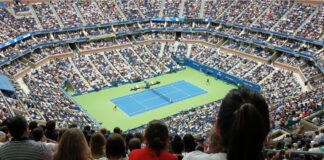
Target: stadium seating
(94, 57)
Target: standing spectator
(97, 146)
(157, 140)
(243, 125)
(73, 146)
(116, 147)
(20, 147)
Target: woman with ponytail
(157, 142)
(243, 124)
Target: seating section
(95, 58)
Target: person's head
(18, 127)
(73, 125)
(189, 143)
(134, 143)
(139, 136)
(32, 125)
(177, 145)
(72, 146)
(117, 130)
(87, 128)
(115, 146)
(157, 136)
(97, 145)
(243, 124)
(50, 125)
(37, 134)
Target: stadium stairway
(181, 8)
(33, 13)
(202, 9)
(56, 15)
(95, 2)
(161, 50)
(307, 20)
(76, 8)
(162, 8)
(283, 17)
(261, 15)
(119, 10)
(112, 66)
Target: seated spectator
(177, 146)
(73, 146)
(189, 143)
(134, 143)
(213, 149)
(97, 146)
(241, 112)
(32, 125)
(116, 147)
(37, 135)
(50, 131)
(157, 139)
(20, 146)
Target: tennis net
(162, 95)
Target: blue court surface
(157, 97)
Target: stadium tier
(86, 63)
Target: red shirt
(148, 154)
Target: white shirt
(198, 155)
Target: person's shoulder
(198, 155)
(218, 156)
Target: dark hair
(50, 125)
(189, 143)
(97, 145)
(115, 146)
(134, 143)
(177, 145)
(37, 133)
(243, 121)
(17, 126)
(32, 125)
(157, 135)
(139, 136)
(117, 130)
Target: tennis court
(150, 99)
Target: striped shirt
(25, 150)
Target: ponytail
(248, 132)
(243, 121)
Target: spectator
(20, 146)
(157, 139)
(177, 146)
(73, 146)
(115, 147)
(214, 148)
(97, 146)
(87, 133)
(50, 131)
(189, 143)
(117, 130)
(32, 125)
(134, 143)
(241, 112)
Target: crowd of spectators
(295, 18)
